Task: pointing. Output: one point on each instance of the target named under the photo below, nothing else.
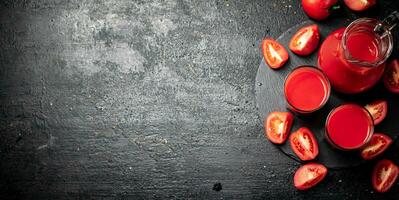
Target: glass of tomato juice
(349, 127)
(306, 89)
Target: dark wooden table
(125, 99)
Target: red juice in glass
(349, 127)
(306, 89)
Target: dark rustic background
(147, 99)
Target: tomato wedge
(391, 76)
(384, 175)
(277, 125)
(378, 110)
(360, 5)
(304, 144)
(274, 53)
(319, 9)
(306, 40)
(378, 144)
(309, 175)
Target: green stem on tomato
(334, 7)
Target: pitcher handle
(389, 23)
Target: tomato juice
(349, 127)
(306, 89)
(353, 58)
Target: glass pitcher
(353, 58)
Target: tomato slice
(306, 40)
(309, 175)
(378, 110)
(360, 5)
(304, 144)
(384, 175)
(391, 76)
(277, 125)
(274, 53)
(378, 144)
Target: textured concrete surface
(144, 100)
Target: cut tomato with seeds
(277, 125)
(378, 110)
(391, 76)
(378, 144)
(360, 5)
(306, 40)
(274, 53)
(309, 175)
(384, 176)
(304, 144)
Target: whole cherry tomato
(360, 5)
(319, 9)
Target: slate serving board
(270, 97)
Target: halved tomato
(309, 175)
(378, 144)
(277, 125)
(391, 76)
(384, 175)
(360, 5)
(304, 144)
(378, 110)
(306, 40)
(274, 53)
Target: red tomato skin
(375, 138)
(282, 52)
(288, 119)
(376, 172)
(391, 68)
(384, 106)
(304, 157)
(356, 5)
(304, 186)
(311, 44)
(318, 9)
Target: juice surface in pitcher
(353, 58)
(363, 47)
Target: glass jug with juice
(353, 58)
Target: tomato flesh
(277, 125)
(306, 40)
(319, 9)
(309, 175)
(304, 144)
(384, 176)
(378, 110)
(360, 5)
(391, 76)
(274, 53)
(378, 144)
